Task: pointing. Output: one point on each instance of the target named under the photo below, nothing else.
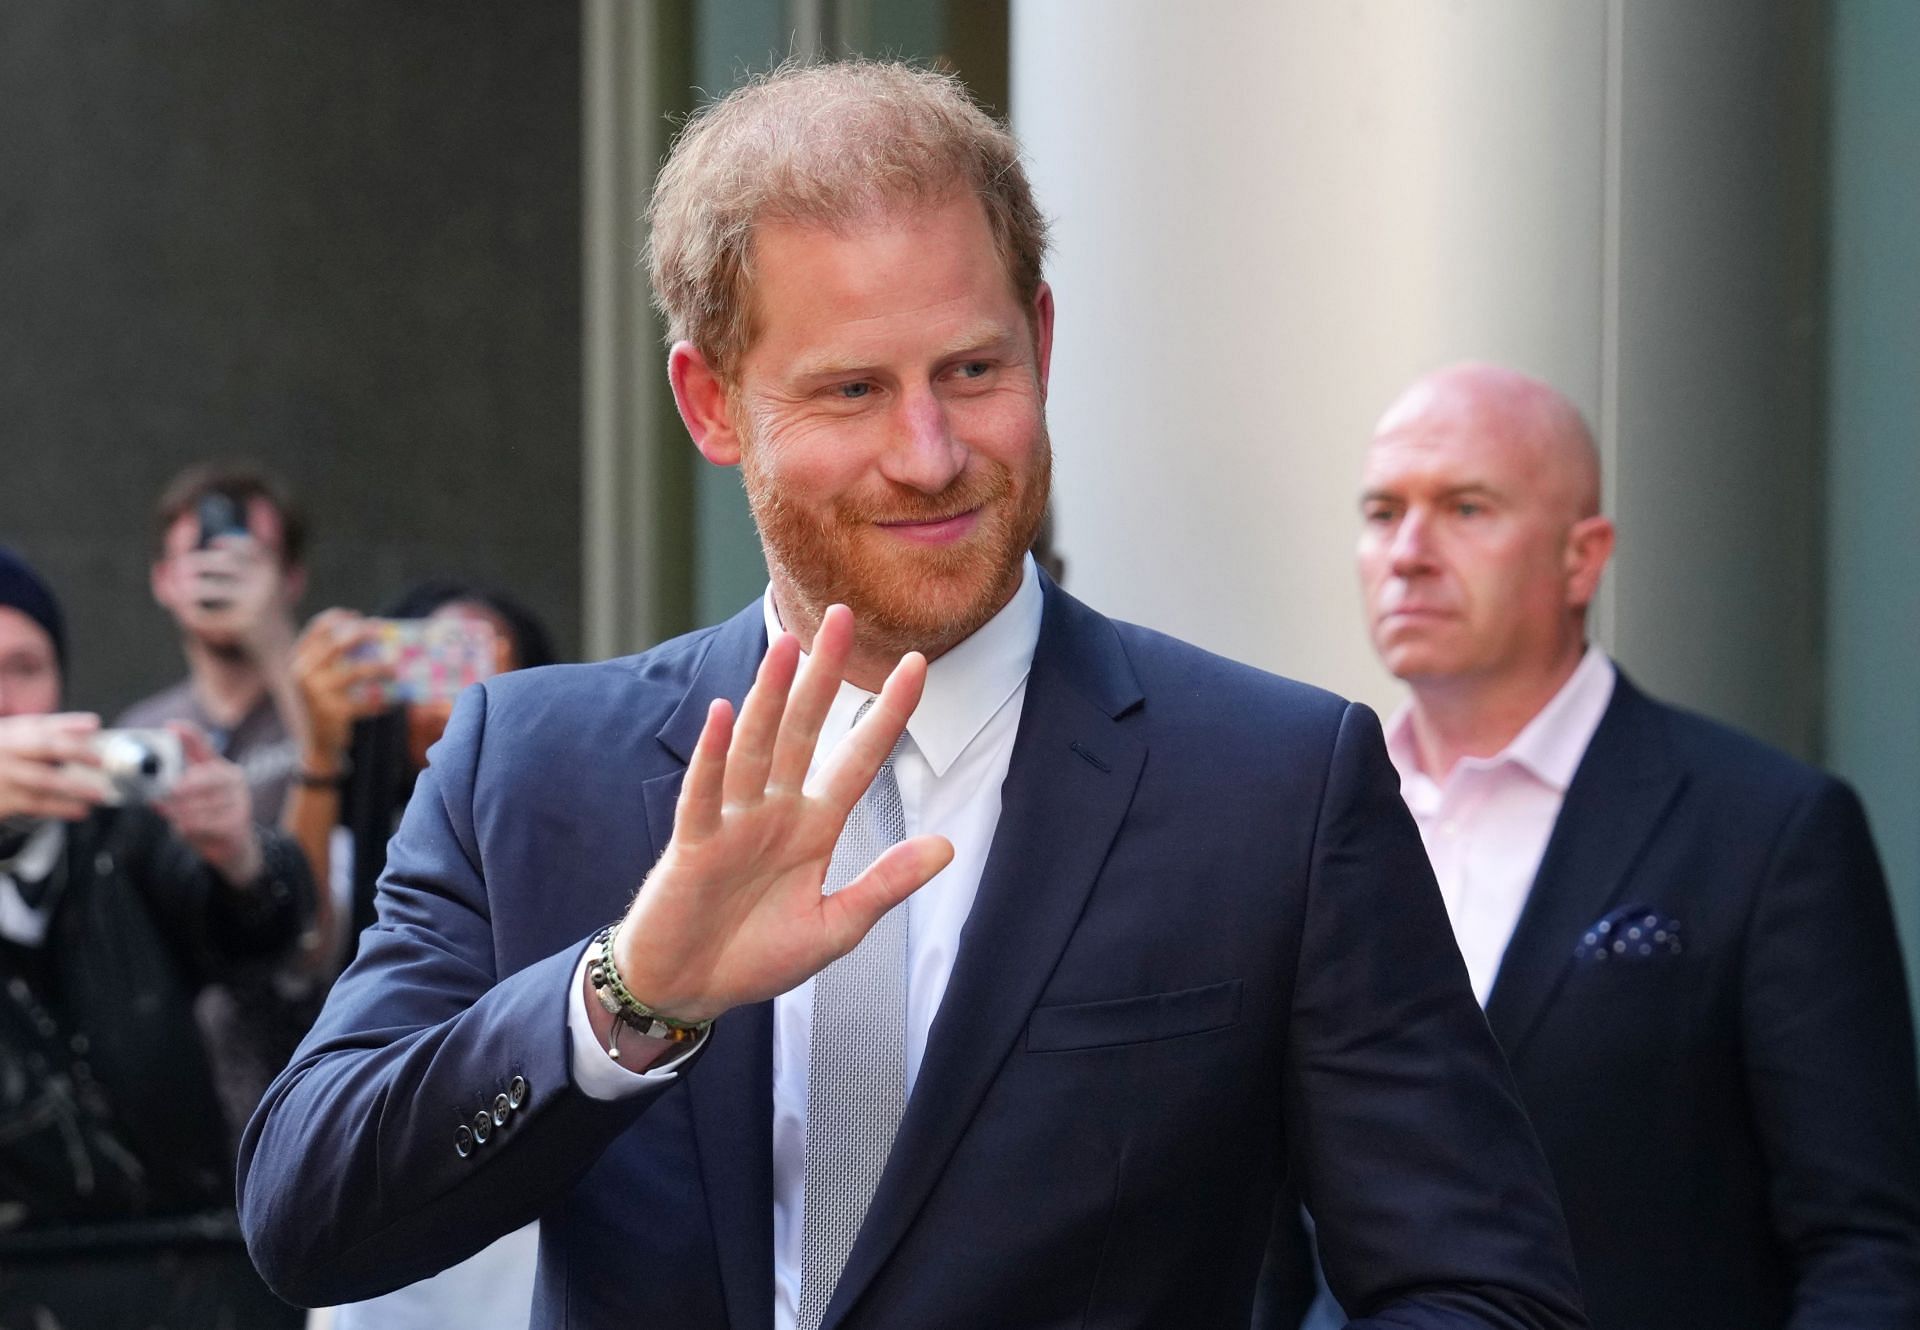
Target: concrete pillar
(1271, 214)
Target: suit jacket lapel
(1620, 794)
(1068, 787)
(730, 1089)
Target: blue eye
(853, 392)
(974, 369)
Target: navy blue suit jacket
(1733, 1125)
(1705, 1010)
(1206, 946)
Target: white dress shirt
(950, 770)
(1486, 825)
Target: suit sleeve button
(517, 1091)
(463, 1142)
(502, 1109)
(482, 1126)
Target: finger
(851, 767)
(63, 737)
(701, 790)
(61, 810)
(51, 784)
(197, 782)
(753, 735)
(812, 697)
(327, 641)
(850, 912)
(62, 750)
(194, 744)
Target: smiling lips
(938, 531)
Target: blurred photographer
(122, 891)
(229, 568)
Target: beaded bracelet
(628, 1010)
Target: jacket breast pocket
(1134, 1020)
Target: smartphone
(219, 516)
(431, 659)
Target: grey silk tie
(857, 1058)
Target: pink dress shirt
(1486, 825)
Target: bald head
(1511, 412)
(1481, 539)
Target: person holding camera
(131, 873)
(229, 568)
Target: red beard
(904, 597)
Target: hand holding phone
(220, 517)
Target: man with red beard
(991, 962)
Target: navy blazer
(1731, 1118)
(1705, 1010)
(1206, 948)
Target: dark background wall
(342, 239)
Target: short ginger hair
(830, 144)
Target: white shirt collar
(20, 922)
(38, 853)
(967, 685)
(1550, 745)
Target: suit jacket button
(502, 1110)
(482, 1126)
(517, 1091)
(463, 1142)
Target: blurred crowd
(179, 886)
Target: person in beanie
(115, 1198)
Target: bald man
(1681, 937)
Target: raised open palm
(733, 912)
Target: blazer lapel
(1621, 793)
(1068, 787)
(730, 1089)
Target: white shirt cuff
(597, 1075)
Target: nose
(925, 455)
(1411, 551)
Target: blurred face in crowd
(29, 667)
(889, 420)
(216, 595)
(1480, 547)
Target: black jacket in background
(107, 1110)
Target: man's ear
(705, 408)
(1589, 546)
(1043, 334)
